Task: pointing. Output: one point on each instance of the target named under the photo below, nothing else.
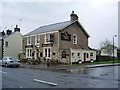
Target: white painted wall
(14, 45)
(0, 48)
(81, 57)
(89, 57)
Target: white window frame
(28, 52)
(49, 41)
(74, 39)
(46, 38)
(37, 39)
(29, 42)
(48, 53)
(91, 54)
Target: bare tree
(107, 46)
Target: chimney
(0, 33)
(8, 32)
(3, 33)
(16, 29)
(73, 16)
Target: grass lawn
(101, 62)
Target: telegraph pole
(113, 48)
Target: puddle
(72, 71)
(78, 71)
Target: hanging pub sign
(65, 36)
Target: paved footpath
(63, 67)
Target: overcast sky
(98, 17)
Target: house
(1, 44)
(59, 42)
(105, 53)
(118, 53)
(11, 43)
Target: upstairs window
(28, 40)
(74, 39)
(49, 38)
(37, 39)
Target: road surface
(101, 77)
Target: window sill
(29, 44)
(37, 43)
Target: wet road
(102, 77)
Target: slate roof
(51, 27)
(5, 36)
(0, 37)
(54, 27)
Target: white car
(10, 61)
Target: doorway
(84, 57)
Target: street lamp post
(113, 48)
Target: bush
(118, 55)
(104, 58)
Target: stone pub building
(65, 42)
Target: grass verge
(100, 62)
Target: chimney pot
(16, 29)
(73, 16)
(16, 26)
(8, 32)
(3, 33)
(72, 12)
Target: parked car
(77, 61)
(10, 61)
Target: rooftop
(58, 26)
(0, 37)
(51, 27)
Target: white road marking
(45, 82)
(4, 72)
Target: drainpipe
(2, 47)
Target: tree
(107, 46)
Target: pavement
(64, 67)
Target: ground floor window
(72, 54)
(47, 53)
(28, 52)
(91, 54)
(78, 54)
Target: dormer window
(37, 39)
(49, 38)
(29, 40)
(74, 39)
